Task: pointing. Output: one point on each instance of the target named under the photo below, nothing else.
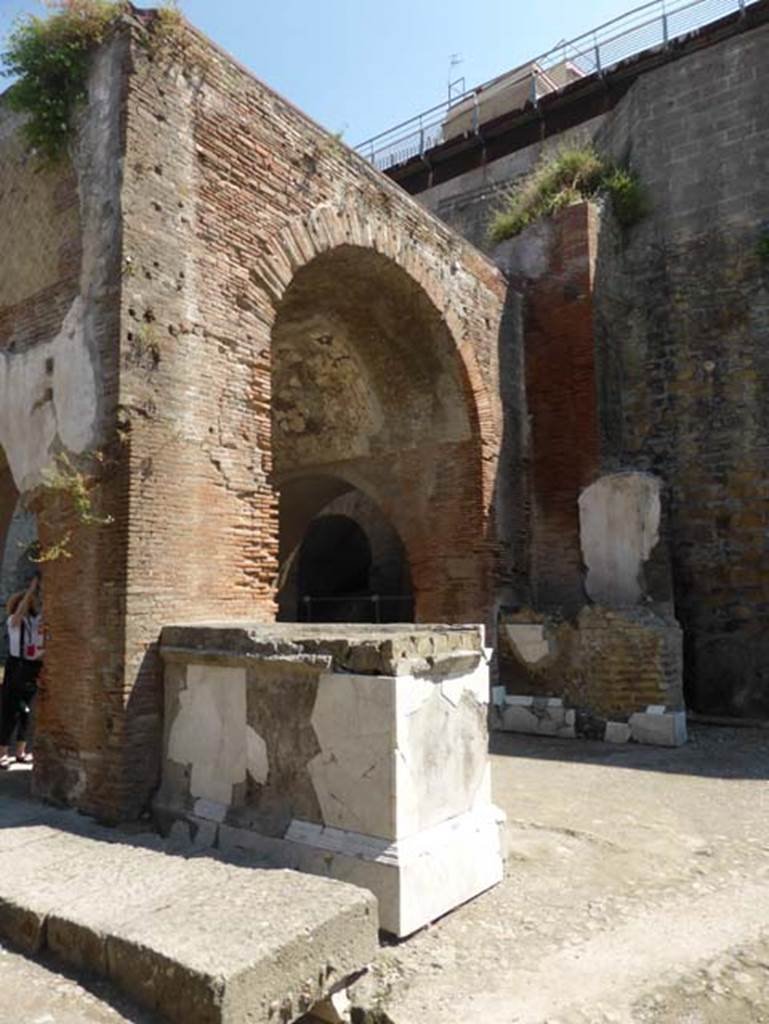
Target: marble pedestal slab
(359, 753)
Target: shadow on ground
(712, 752)
(16, 783)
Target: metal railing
(357, 608)
(653, 25)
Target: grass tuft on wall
(570, 175)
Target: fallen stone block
(617, 732)
(498, 695)
(519, 719)
(264, 946)
(195, 939)
(662, 730)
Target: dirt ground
(636, 890)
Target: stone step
(194, 938)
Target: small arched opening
(347, 563)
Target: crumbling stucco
(47, 394)
(210, 734)
(619, 528)
(50, 392)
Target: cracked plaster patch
(619, 517)
(353, 775)
(62, 405)
(209, 731)
(529, 641)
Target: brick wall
(607, 663)
(39, 210)
(227, 191)
(553, 265)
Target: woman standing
(25, 646)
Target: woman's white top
(33, 638)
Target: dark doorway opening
(350, 566)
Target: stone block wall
(682, 329)
(681, 322)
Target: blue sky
(360, 66)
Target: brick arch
(331, 226)
(425, 452)
(319, 493)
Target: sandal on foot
(5, 763)
(24, 758)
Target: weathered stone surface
(536, 716)
(617, 732)
(349, 647)
(663, 730)
(416, 880)
(611, 662)
(378, 779)
(199, 940)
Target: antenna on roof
(456, 86)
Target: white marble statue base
(416, 880)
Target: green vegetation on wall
(570, 175)
(50, 58)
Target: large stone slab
(196, 939)
(342, 750)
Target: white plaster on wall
(619, 518)
(209, 732)
(38, 408)
(30, 421)
(475, 684)
(442, 750)
(353, 776)
(398, 753)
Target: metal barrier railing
(654, 24)
(357, 608)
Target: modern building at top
(653, 29)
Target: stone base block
(541, 716)
(194, 939)
(535, 716)
(416, 880)
(659, 727)
(617, 732)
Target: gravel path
(637, 890)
